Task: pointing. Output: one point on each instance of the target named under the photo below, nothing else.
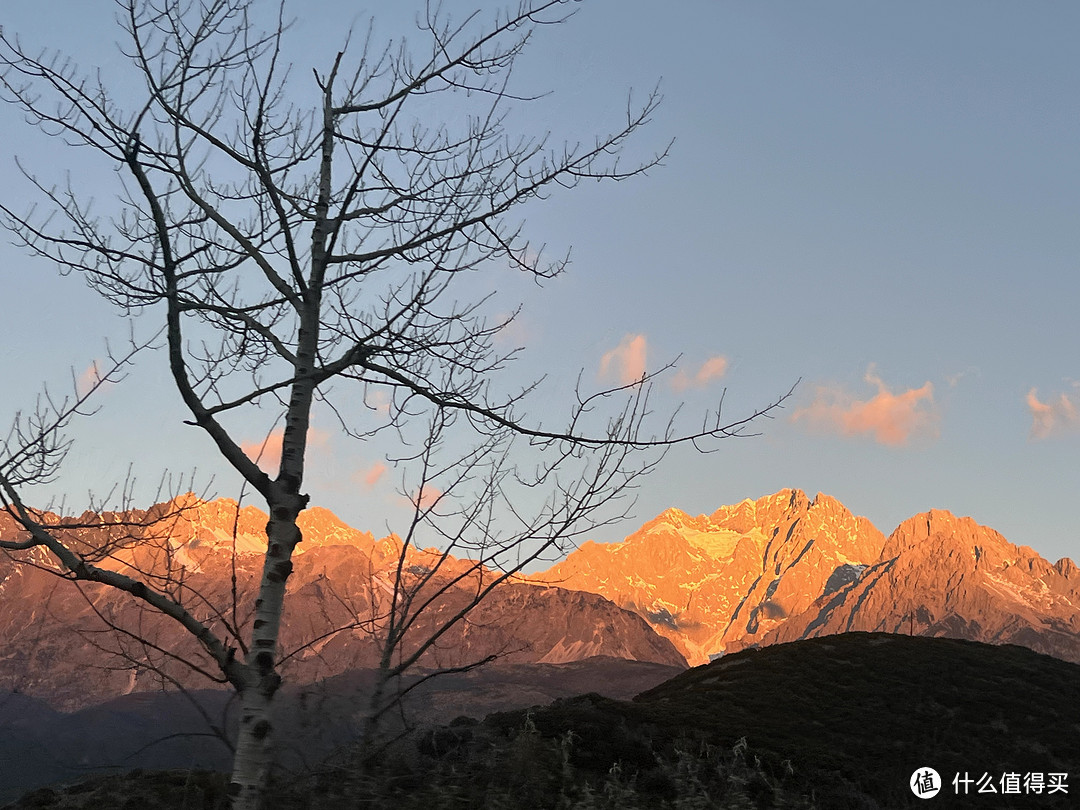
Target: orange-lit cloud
(267, 454)
(1054, 418)
(954, 379)
(377, 400)
(712, 369)
(270, 456)
(372, 474)
(426, 498)
(90, 377)
(627, 360)
(892, 419)
(317, 437)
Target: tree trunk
(254, 745)
(369, 732)
(251, 764)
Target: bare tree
(287, 247)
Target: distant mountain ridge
(786, 567)
(681, 588)
(710, 581)
(57, 646)
(940, 575)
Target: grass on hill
(830, 723)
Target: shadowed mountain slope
(58, 644)
(849, 718)
(40, 746)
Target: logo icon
(925, 783)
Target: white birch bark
(255, 736)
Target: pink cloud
(712, 369)
(515, 332)
(1054, 418)
(627, 360)
(526, 258)
(90, 378)
(270, 451)
(954, 379)
(426, 498)
(266, 453)
(377, 400)
(317, 437)
(372, 474)
(892, 419)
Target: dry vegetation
(836, 722)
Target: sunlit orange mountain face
(77, 644)
(777, 569)
(785, 567)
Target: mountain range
(786, 567)
(75, 645)
(679, 589)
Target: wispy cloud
(317, 437)
(890, 418)
(712, 369)
(370, 477)
(267, 453)
(526, 258)
(953, 380)
(626, 362)
(515, 332)
(1059, 416)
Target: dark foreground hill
(834, 722)
(40, 746)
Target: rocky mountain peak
(827, 504)
(1067, 568)
(672, 516)
(939, 533)
(189, 501)
(943, 575)
(769, 510)
(711, 580)
(784, 566)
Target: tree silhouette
(287, 247)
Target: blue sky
(879, 199)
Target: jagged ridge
(55, 647)
(785, 567)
